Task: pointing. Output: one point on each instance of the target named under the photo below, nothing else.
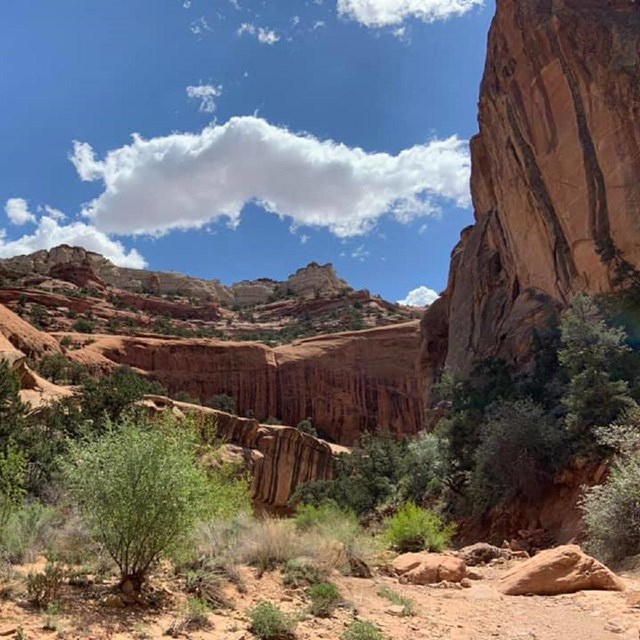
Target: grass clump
(363, 630)
(415, 529)
(268, 544)
(300, 572)
(407, 604)
(325, 597)
(269, 622)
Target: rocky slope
(555, 178)
(346, 383)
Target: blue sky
(270, 134)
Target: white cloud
(199, 26)
(184, 181)
(385, 13)
(207, 94)
(264, 35)
(49, 233)
(420, 297)
(17, 210)
(360, 253)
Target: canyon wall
(555, 178)
(346, 383)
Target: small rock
(465, 583)
(8, 631)
(474, 575)
(395, 610)
(112, 601)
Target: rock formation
(347, 383)
(555, 178)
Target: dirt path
(477, 613)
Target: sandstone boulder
(565, 569)
(480, 553)
(429, 568)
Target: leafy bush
(612, 512)
(519, 449)
(12, 480)
(83, 325)
(325, 597)
(197, 615)
(363, 630)
(269, 622)
(407, 604)
(223, 402)
(306, 426)
(425, 468)
(141, 492)
(309, 516)
(414, 529)
(61, 370)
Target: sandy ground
(477, 613)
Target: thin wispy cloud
(207, 94)
(184, 181)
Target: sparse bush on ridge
(363, 630)
(325, 597)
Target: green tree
(141, 492)
(12, 409)
(589, 351)
(12, 477)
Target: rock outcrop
(555, 178)
(279, 458)
(347, 383)
(565, 569)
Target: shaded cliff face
(555, 177)
(347, 383)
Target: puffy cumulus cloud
(184, 181)
(385, 13)
(17, 210)
(50, 233)
(420, 297)
(207, 94)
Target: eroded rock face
(565, 569)
(280, 458)
(347, 383)
(555, 178)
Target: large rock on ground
(565, 569)
(555, 178)
(429, 568)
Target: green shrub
(414, 529)
(12, 479)
(310, 516)
(325, 597)
(197, 615)
(612, 512)
(141, 492)
(223, 402)
(306, 426)
(27, 532)
(269, 622)
(300, 572)
(83, 325)
(363, 630)
(407, 604)
(44, 588)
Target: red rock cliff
(555, 177)
(347, 383)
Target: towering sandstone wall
(347, 383)
(555, 178)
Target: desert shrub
(269, 622)
(223, 402)
(61, 370)
(300, 572)
(612, 512)
(12, 481)
(83, 325)
(110, 396)
(425, 468)
(325, 597)
(268, 543)
(414, 529)
(206, 584)
(520, 448)
(27, 532)
(197, 614)
(12, 409)
(141, 491)
(306, 426)
(362, 630)
(271, 420)
(407, 604)
(44, 588)
(309, 516)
